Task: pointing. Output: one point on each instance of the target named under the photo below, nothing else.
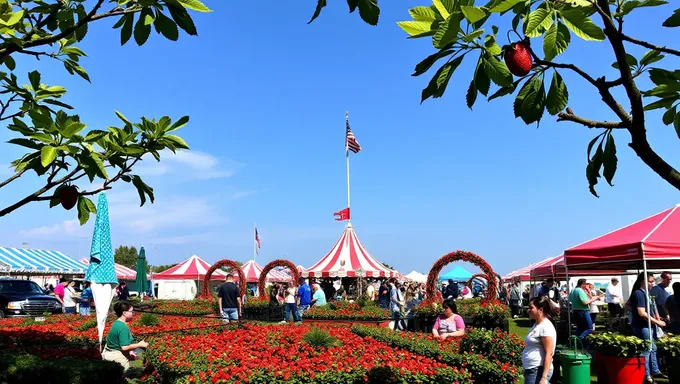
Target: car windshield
(20, 286)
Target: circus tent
(348, 258)
(193, 268)
(253, 270)
(122, 272)
(301, 269)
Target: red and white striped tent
(346, 258)
(301, 269)
(122, 272)
(193, 268)
(253, 270)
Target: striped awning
(25, 260)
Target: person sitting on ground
(449, 323)
(119, 343)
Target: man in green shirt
(579, 306)
(119, 340)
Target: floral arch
(467, 257)
(271, 265)
(224, 263)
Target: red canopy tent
(193, 268)
(555, 268)
(523, 274)
(654, 241)
(122, 272)
(346, 258)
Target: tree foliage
(462, 29)
(59, 146)
(126, 256)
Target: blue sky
(267, 100)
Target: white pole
(649, 314)
(254, 242)
(347, 159)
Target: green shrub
(613, 344)
(495, 345)
(148, 319)
(29, 369)
(89, 324)
(316, 338)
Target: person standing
(304, 295)
(59, 292)
(660, 294)
(613, 296)
(123, 292)
(370, 292)
(640, 323)
(515, 298)
(319, 297)
(291, 304)
(451, 290)
(540, 342)
(580, 308)
(119, 343)
(69, 298)
(229, 300)
(673, 308)
(85, 299)
(383, 295)
(396, 305)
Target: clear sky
(267, 95)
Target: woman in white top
(291, 304)
(69, 301)
(537, 355)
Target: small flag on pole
(342, 215)
(351, 142)
(257, 241)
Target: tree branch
(13, 177)
(35, 195)
(572, 67)
(649, 45)
(619, 81)
(570, 116)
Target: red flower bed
(277, 354)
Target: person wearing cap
(304, 295)
(614, 298)
(229, 300)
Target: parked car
(23, 298)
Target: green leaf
(352, 4)
(126, 32)
(422, 13)
(34, 78)
(482, 81)
(669, 116)
(447, 32)
(95, 135)
(79, 70)
(142, 189)
(320, 4)
(415, 28)
(14, 17)
(663, 90)
(558, 96)
(538, 21)
(630, 5)
(593, 169)
(491, 46)
(100, 165)
(179, 123)
(497, 71)
(471, 95)
(470, 37)
(610, 160)
(505, 5)
(369, 11)
(195, 5)
(530, 86)
(90, 205)
(142, 27)
(183, 19)
(166, 26)
(71, 127)
(556, 41)
(25, 143)
(663, 103)
(651, 57)
(47, 155)
(674, 20)
(504, 91)
(177, 141)
(581, 24)
(676, 124)
(533, 105)
(83, 210)
(10, 63)
(440, 80)
(427, 63)
(441, 8)
(473, 14)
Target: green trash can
(575, 364)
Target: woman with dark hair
(673, 308)
(640, 325)
(449, 323)
(538, 352)
(119, 340)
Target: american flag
(257, 240)
(352, 143)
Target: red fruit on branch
(518, 58)
(68, 196)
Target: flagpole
(347, 161)
(254, 242)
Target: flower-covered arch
(477, 276)
(271, 265)
(467, 257)
(224, 263)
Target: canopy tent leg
(566, 272)
(649, 314)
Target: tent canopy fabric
(556, 270)
(417, 277)
(34, 261)
(458, 273)
(524, 274)
(654, 239)
(193, 268)
(122, 272)
(253, 270)
(348, 258)
(301, 269)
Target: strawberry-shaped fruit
(68, 196)
(518, 58)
